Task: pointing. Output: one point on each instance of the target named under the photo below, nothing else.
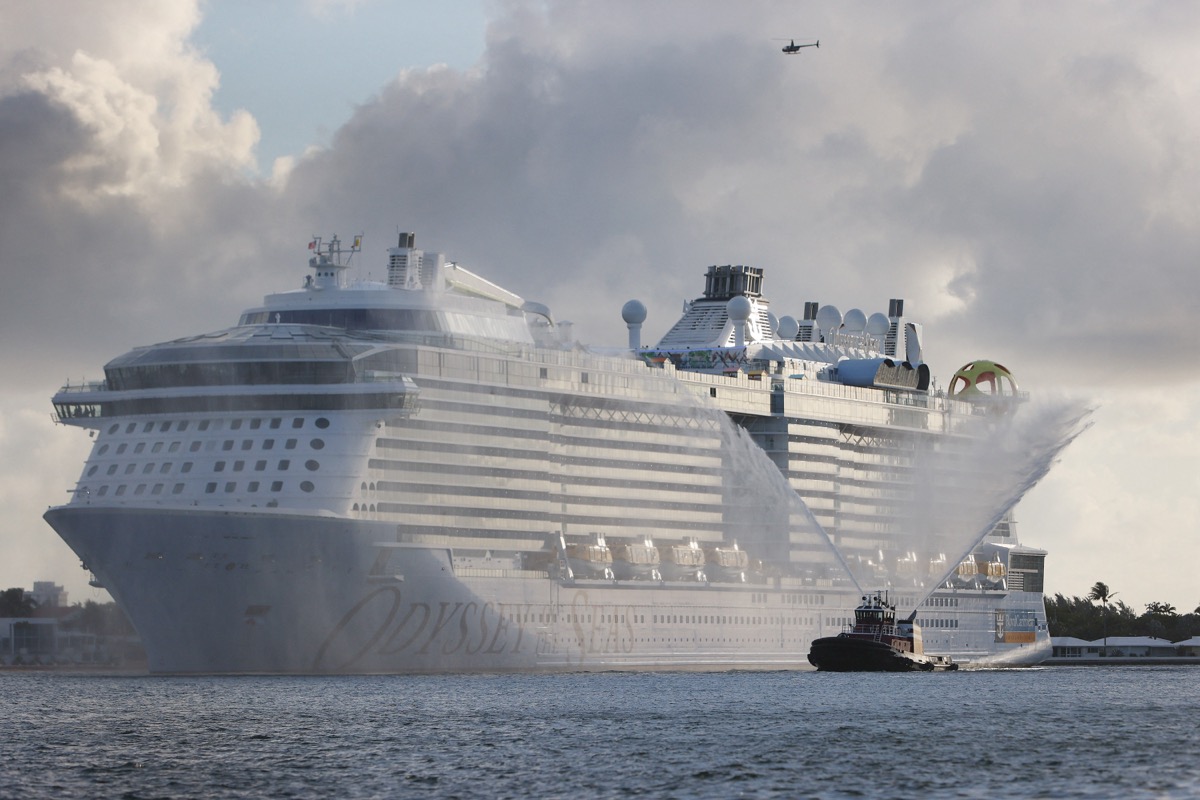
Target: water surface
(1054, 732)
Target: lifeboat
(966, 576)
(637, 560)
(591, 560)
(683, 561)
(728, 563)
(994, 573)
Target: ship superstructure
(426, 474)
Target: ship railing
(83, 386)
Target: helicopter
(793, 48)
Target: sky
(1025, 175)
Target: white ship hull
(241, 592)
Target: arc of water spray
(1072, 421)
(770, 473)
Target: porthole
(298, 422)
(112, 470)
(306, 486)
(102, 449)
(113, 429)
(317, 444)
(163, 428)
(322, 423)
(177, 489)
(312, 465)
(276, 486)
(130, 427)
(92, 470)
(121, 448)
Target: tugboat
(877, 643)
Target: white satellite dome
(828, 318)
(739, 308)
(789, 328)
(878, 324)
(855, 321)
(633, 312)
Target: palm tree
(1102, 594)
(1166, 609)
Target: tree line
(102, 619)
(1099, 615)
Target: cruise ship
(427, 474)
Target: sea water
(1046, 732)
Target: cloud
(1024, 177)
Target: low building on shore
(1122, 649)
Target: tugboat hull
(845, 654)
